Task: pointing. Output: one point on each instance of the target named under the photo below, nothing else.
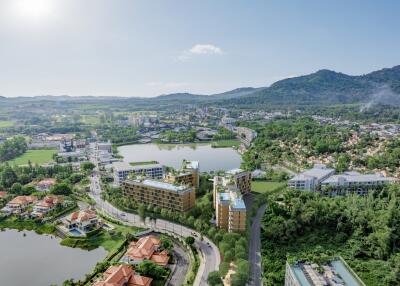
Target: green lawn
(264, 187)
(90, 119)
(225, 143)
(40, 156)
(143, 163)
(5, 124)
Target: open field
(40, 156)
(225, 143)
(264, 187)
(5, 124)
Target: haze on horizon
(147, 48)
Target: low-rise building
(45, 185)
(334, 273)
(354, 182)
(160, 193)
(122, 170)
(309, 180)
(122, 275)
(84, 220)
(147, 248)
(47, 204)
(20, 203)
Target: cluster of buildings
(334, 273)
(228, 191)
(321, 178)
(19, 205)
(146, 248)
(121, 171)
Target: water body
(40, 260)
(211, 159)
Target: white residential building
(310, 179)
(123, 169)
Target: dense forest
(276, 141)
(364, 230)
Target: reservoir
(210, 159)
(40, 260)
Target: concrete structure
(122, 170)
(237, 177)
(309, 180)
(160, 193)
(122, 275)
(354, 182)
(19, 204)
(188, 175)
(46, 205)
(245, 134)
(335, 273)
(45, 185)
(84, 220)
(230, 210)
(147, 248)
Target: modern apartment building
(309, 180)
(121, 171)
(189, 174)
(230, 210)
(237, 177)
(334, 273)
(354, 182)
(160, 193)
(323, 179)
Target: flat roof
(357, 178)
(124, 166)
(238, 204)
(164, 185)
(192, 164)
(235, 171)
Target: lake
(40, 260)
(210, 159)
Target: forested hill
(327, 87)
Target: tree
(214, 278)
(142, 212)
(149, 268)
(61, 189)
(16, 188)
(8, 177)
(87, 166)
(189, 240)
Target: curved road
(210, 254)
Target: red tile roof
(122, 275)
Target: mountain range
(324, 87)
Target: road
(181, 265)
(209, 252)
(255, 249)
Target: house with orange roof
(147, 248)
(84, 220)
(3, 194)
(45, 185)
(46, 205)
(122, 275)
(20, 203)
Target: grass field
(264, 187)
(5, 124)
(225, 143)
(90, 119)
(40, 156)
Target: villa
(20, 203)
(84, 220)
(147, 248)
(46, 205)
(122, 275)
(45, 185)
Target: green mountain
(327, 87)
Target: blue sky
(147, 48)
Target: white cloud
(200, 49)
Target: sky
(147, 48)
